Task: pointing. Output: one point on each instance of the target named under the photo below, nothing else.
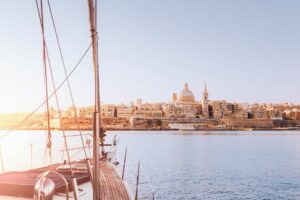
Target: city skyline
(196, 99)
(244, 51)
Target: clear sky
(246, 51)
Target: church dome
(186, 95)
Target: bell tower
(205, 103)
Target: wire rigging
(60, 117)
(47, 114)
(68, 82)
(50, 96)
(46, 58)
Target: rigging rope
(53, 84)
(59, 113)
(60, 117)
(48, 139)
(50, 96)
(68, 82)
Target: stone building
(124, 111)
(292, 114)
(219, 108)
(185, 105)
(153, 111)
(86, 112)
(179, 111)
(172, 110)
(185, 96)
(259, 112)
(109, 110)
(71, 112)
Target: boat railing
(88, 145)
(143, 187)
(144, 178)
(40, 184)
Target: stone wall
(248, 123)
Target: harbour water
(187, 165)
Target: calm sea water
(192, 165)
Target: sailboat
(86, 179)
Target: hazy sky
(246, 51)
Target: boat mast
(97, 114)
(49, 143)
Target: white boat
(182, 126)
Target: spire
(205, 93)
(186, 86)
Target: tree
(115, 112)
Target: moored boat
(88, 178)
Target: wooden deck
(111, 185)
(19, 185)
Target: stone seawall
(249, 123)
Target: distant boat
(247, 129)
(182, 126)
